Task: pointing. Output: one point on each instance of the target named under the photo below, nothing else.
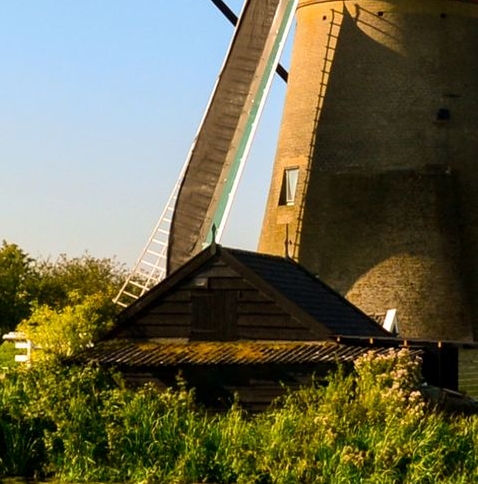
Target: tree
(74, 304)
(61, 306)
(68, 281)
(61, 332)
(18, 278)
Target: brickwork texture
(381, 118)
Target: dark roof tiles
(311, 294)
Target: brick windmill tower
(375, 182)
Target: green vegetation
(17, 285)
(83, 424)
(60, 306)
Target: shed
(236, 322)
(226, 294)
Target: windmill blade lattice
(208, 181)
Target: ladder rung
(153, 252)
(138, 285)
(149, 264)
(162, 231)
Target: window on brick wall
(289, 186)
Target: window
(289, 186)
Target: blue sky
(99, 103)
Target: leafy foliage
(61, 306)
(67, 281)
(61, 332)
(17, 285)
(7, 355)
(82, 424)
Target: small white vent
(390, 322)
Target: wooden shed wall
(233, 302)
(217, 387)
(468, 371)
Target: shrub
(368, 425)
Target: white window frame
(290, 182)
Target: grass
(370, 426)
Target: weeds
(371, 425)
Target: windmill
(375, 176)
(374, 180)
(197, 209)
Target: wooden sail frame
(225, 135)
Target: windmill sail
(204, 192)
(225, 135)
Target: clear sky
(99, 103)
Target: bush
(370, 425)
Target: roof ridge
(315, 278)
(255, 253)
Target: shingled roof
(314, 310)
(154, 354)
(311, 294)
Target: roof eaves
(130, 353)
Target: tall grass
(370, 426)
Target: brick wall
(381, 117)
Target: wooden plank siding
(233, 321)
(276, 333)
(172, 307)
(217, 387)
(258, 307)
(468, 371)
(228, 306)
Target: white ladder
(214, 165)
(150, 268)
